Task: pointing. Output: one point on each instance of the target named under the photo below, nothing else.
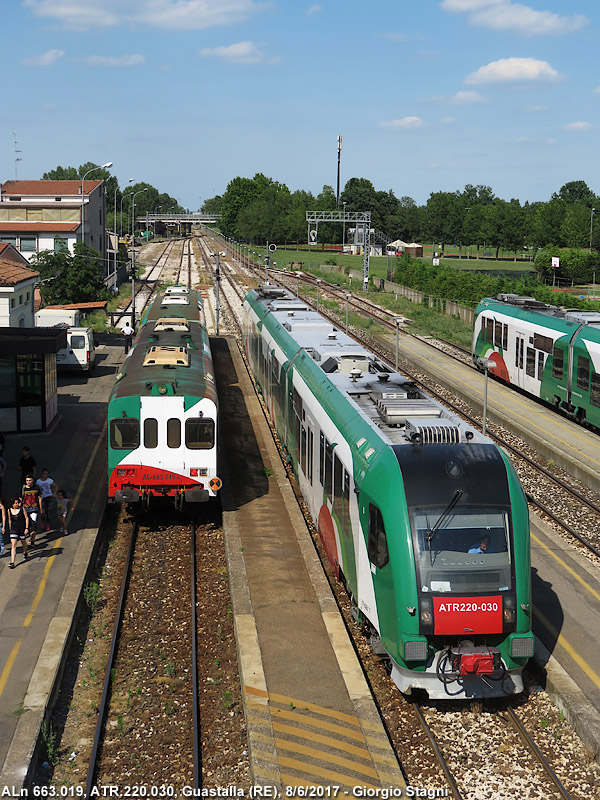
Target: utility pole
(337, 197)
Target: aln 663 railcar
(550, 353)
(422, 517)
(162, 413)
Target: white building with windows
(47, 215)
(17, 283)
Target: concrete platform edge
(27, 747)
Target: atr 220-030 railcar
(422, 517)
(162, 413)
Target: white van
(79, 354)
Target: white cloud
(460, 98)
(164, 14)
(535, 109)
(576, 127)
(316, 9)
(405, 122)
(504, 15)
(239, 53)
(44, 60)
(597, 90)
(448, 120)
(121, 61)
(513, 70)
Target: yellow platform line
(317, 723)
(330, 775)
(323, 755)
(565, 566)
(318, 737)
(568, 648)
(9, 665)
(304, 706)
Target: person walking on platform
(27, 464)
(48, 489)
(127, 332)
(19, 529)
(32, 505)
(63, 506)
(3, 526)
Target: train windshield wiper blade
(441, 519)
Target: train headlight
(426, 615)
(162, 389)
(509, 614)
(521, 647)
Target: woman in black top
(19, 529)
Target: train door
(306, 460)
(520, 347)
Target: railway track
(147, 677)
(509, 744)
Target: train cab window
(595, 390)
(558, 361)
(124, 433)
(150, 433)
(530, 362)
(173, 432)
(199, 434)
(377, 545)
(583, 373)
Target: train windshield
(458, 501)
(462, 550)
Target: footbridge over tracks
(183, 223)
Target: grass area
(379, 265)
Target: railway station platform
(39, 597)
(310, 716)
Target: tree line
(259, 209)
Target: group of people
(29, 512)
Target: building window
(20, 299)
(28, 244)
(12, 302)
(16, 199)
(28, 297)
(58, 199)
(9, 239)
(60, 244)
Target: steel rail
(109, 667)
(539, 756)
(438, 753)
(195, 678)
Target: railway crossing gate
(360, 218)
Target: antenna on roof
(16, 156)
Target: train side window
(303, 449)
(150, 433)
(497, 334)
(530, 363)
(321, 458)
(199, 434)
(540, 367)
(346, 503)
(173, 432)
(328, 469)
(311, 447)
(338, 475)
(544, 343)
(377, 545)
(558, 361)
(124, 433)
(583, 373)
(505, 337)
(595, 390)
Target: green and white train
(162, 413)
(548, 352)
(422, 517)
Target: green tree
(443, 218)
(575, 192)
(71, 277)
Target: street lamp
(122, 198)
(318, 287)
(485, 364)
(397, 324)
(93, 169)
(344, 233)
(347, 298)
(145, 189)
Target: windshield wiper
(431, 531)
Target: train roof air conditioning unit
(432, 431)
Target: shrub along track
(148, 738)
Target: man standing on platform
(127, 332)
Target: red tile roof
(32, 227)
(47, 187)
(11, 274)
(81, 306)
(10, 253)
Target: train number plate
(463, 615)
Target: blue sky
(186, 94)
